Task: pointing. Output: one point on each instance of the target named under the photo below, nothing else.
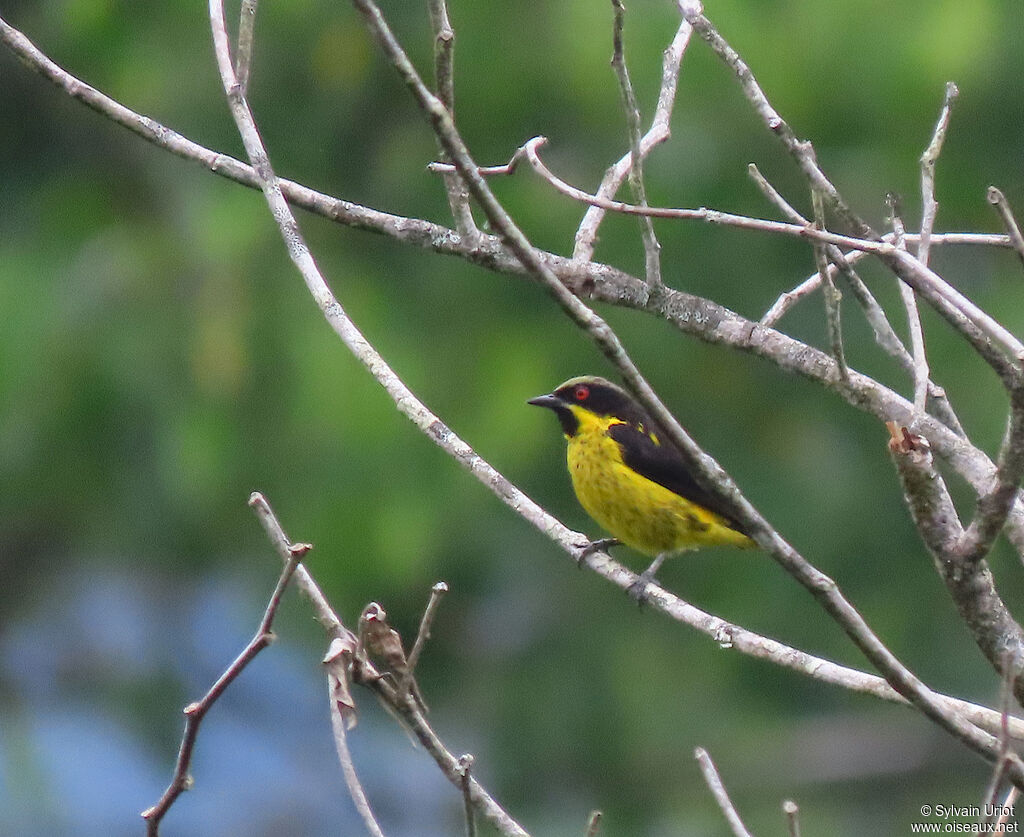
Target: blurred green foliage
(159, 360)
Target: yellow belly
(639, 512)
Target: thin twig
(436, 594)
(714, 783)
(773, 195)
(792, 812)
(652, 249)
(998, 200)
(920, 371)
(885, 336)
(246, 40)
(995, 504)
(348, 769)
(444, 78)
(465, 769)
(841, 263)
(195, 712)
(830, 292)
(788, 299)
(989, 338)
(399, 703)
(1010, 672)
(928, 160)
(800, 150)
(586, 235)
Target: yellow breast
(639, 512)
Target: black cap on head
(597, 395)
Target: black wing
(663, 464)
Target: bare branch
(339, 727)
(448, 763)
(928, 160)
(988, 337)
(195, 712)
(1011, 670)
(606, 283)
(813, 282)
(967, 578)
(714, 783)
(401, 704)
(708, 472)
(994, 505)
(712, 216)
(919, 370)
(444, 78)
(586, 235)
(465, 768)
(246, 39)
(884, 334)
(436, 594)
(800, 150)
(652, 250)
(830, 292)
(998, 200)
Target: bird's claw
(600, 545)
(638, 589)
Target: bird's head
(581, 400)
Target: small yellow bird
(632, 480)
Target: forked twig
(586, 235)
(444, 77)
(652, 250)
(195, 712)
(929, 158)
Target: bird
(632, 480)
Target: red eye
(581, 393)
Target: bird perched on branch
(632, 480)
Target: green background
(160, 359)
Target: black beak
(549, 401)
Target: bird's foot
(600, 545)
(638, 589)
